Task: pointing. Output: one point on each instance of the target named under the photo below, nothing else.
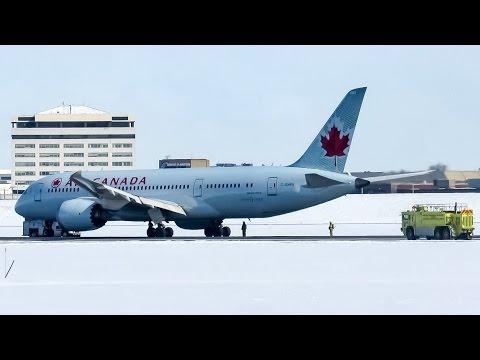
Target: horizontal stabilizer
(318, 181)
(396, 176)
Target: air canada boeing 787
(199, 198)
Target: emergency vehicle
(438, 221)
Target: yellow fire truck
(438, 221)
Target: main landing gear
(161, 231)
(216, 229)
(48, 231)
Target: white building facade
(69, 138)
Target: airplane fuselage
(204, 193)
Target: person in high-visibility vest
(330, 228)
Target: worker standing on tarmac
(244, 229)
(330, 228)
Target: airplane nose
(20, 207)
(360, 183)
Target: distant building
(188, 163)
(5, 176)
(5, 184)
(232, 164)
(69, 138)
(182, 163)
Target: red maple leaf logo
(56, 182)
(334, 145)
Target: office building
(69, 138)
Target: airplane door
(197, 187)
(37, 195)
(272, 186)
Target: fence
(8, 196)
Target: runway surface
(231, 238)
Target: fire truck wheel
(445, 233)
(409, 233)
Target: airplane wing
(114, 199)
(395, 176)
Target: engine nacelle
(81, 214)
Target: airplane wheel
(34, 233)
(45, 232)
(226, 231)
(208, 232)
(64, 233)
(160, 232)
(168, 232)
(150, 232)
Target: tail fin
(329, 149)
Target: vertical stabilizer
(329, 149)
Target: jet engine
(81, 214)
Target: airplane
(199, 198)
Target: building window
(24, 173)
(49, 163)
(99, 163)
(48, 172)
(25, 164)
(73, 164)
(24, 155)
(49, 155)
(122, 154)
(122, 163)
(49, 146)
(99, 154)
(122, 145)
(24, 182)
(24, 146)
(73, 154)
(97, 146)
(78, 136)
(73, 146)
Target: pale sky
(260, 104)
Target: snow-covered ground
(251, 277)
(375, 214)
